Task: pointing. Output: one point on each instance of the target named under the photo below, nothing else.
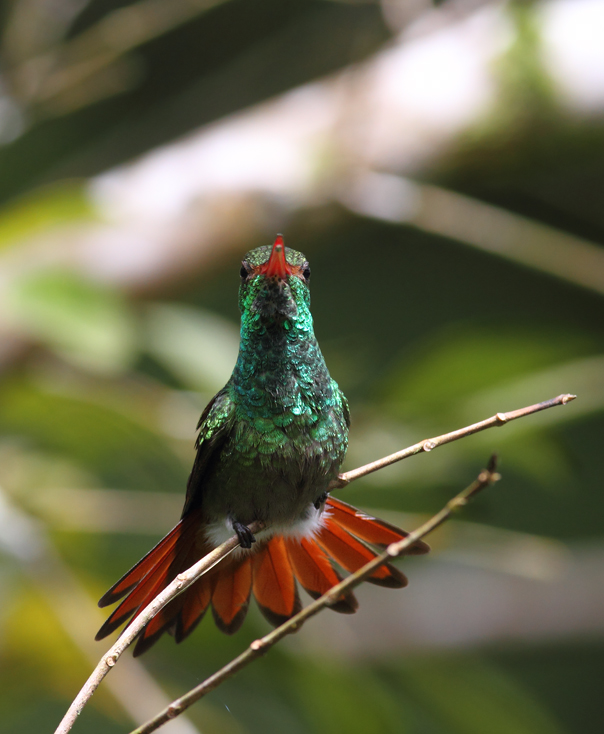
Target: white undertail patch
(306, 527)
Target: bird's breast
(275, 467)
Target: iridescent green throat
(280, 367)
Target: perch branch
(259, 647)
(429, 444)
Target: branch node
(429, 445)
(111, 660)
(492, 465)
(330, 599)
(501, 418)
(567, 399)
(392, 550)
(173, 710)
(257, 645)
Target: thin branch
(184, 580)
(429, 444)
(180, 583)
(259, 647)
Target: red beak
(277, 266)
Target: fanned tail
(270, 571)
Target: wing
(345, 408)
(214, 427)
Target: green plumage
(274, 437)
(269, 444)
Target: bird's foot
(245, 535)
(321, 500)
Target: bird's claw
(321, 500)
(245, 535)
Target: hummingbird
(269, 444)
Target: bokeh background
(442, 166)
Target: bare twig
(259, 647)
(429, 444)
(184, 580)
(180, 583)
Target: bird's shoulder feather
(214, 426)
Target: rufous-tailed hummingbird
(269, 444)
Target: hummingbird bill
(269, 445)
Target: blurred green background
(441, 164)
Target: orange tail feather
(194, 606)
(231, 595)
(186, 605)
(155, 571)
(316, 574)
(274, 584)
(370, 529)
(162, 621)
(146, 564)
(139, 597)
(351, 554)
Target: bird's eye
(244, 272)
(306, 272)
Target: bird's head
(275, 284)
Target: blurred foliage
(101, 384)
(43, 208)
(87, 325)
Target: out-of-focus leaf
(119, 451)
(349, 699)
(537, 456)
(519, 554)
(198, 347)
(470, 697)
(42, 209)
(582, 377)
(34, 637)
(83, 322)
(460, 362)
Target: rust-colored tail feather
(231, 595)
(161, 623)
(316, 574)
(146, 590)
(370, 528)
(270, 571)
(149, 577)
(177, 616)
(194, 606)
(274, 582)
(146, 564)
(352, 554)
